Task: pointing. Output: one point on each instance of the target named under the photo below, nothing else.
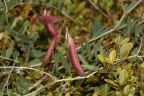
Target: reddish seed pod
(47, 19)
(51, 29)
(50, 50)
(49, 26)
(73, 56)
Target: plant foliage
(109, 39)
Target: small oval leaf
(90, 67)
(111, 82)
(126, 89)
(64, 62)
(127, 46)
(112, 57)
(101, 58)
(123, 76)
(10, 51)
(124, 53)
(126, 40)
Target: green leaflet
(36, 53)
(10, 50)
(61, 5)
(65, 63)
(2, 17)
(129, 7)
(82, 60)
(123, 76)
(129, 25)
(96, 27)
(23, 28)
(56, 67)
(51, 2)
(90, 67)
(35, 62)
(32, 34)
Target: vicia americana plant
(48, 20)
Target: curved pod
(50, 50)
(48, 20)
(73, 56)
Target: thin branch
(62, 12)
(123, 6)
(134, 6)
(17, 67)
(140, 22)
(134, 56)
(93, 39)
(42, 5)
(6, 83)
(37, 83)
(10, 59)
(122, 18)
(116, 26)
(97, 8)
(140, 46)
(61, 80)
(5, 6)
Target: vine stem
(5, 6)
(97, 8)
(40, 4)
(61, 80)
(6, 83)
(17, 67)
(10, 59)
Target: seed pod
(47, 19)
(51, 29)
(49, 26)
(73, 56)
(50, 49)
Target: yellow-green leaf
(142, 75)
(128, 65)
(10, 50)
(118, 93)
(111, 82)
(127, 46)
(124, 53)
(130, 72)
(28, 77)
(141, 68)
(49, 94)
(126, 89)
(126, 40)
(112, 56)
(130, 95)
(1, 35)
(123, 76)
(101, 58)
(142, 93)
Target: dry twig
(61, 80)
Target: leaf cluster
(109, 40)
